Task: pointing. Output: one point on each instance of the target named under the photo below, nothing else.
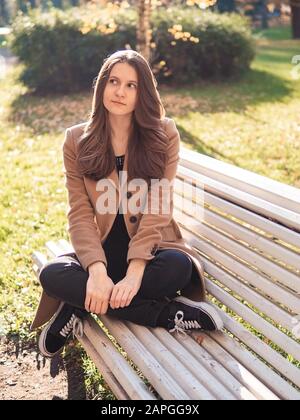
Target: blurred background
(262, 12)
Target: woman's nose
(120, 91)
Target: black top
(116, 243)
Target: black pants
(169, 271)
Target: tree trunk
(295, 12)
(3, 13)
(143, 32)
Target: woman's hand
(98, 290)
(124, 291)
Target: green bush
(57, 55)
(62, 51)
(225, 46)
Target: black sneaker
(187, 314)
(56, 332)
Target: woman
(128, 264)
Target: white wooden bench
(249, 239)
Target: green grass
(252, 122)
(279, 33)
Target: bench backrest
(248, 236)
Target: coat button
(129, 194)
(133, 219)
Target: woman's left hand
(124, 291)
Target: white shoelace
(181, 325)
(75, 324)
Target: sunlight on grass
(253, 122)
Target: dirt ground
(26, 375)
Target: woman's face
(121, 87)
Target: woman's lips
(117, 103)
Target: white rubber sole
(42, 337)
(205, 307)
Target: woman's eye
(129, 84)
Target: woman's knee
(49, 272)
(55, 269)
(178, 264)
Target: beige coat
(88, 229)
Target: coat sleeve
(149, 233)
(82, 227)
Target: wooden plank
(273, 381)
(256, 204)
(265, 285)
(240, 372)
(153, 370)
(254, 239)
(266, 266)
(108, 376)
(266, 225)
(282, 340)
(122, 371)
(202, 365)
(65, 246)
(39, 260)
(261, 303)
(229, 370)
(270, 190)
(277, 231)
(54, 248)
(266, 352)
(197, 382)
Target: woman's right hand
(98, 290)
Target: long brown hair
(148, 141)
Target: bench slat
(237, 370)
(276, 231)
(122, 371)
(278, 293)
(252, 258)
(65, 246)
(271, 356)
(241, 233)
(238, 233)
(263, 350)
(153, 370)
(54, 249)
(255, 204)
(187, 377)
(270, 190)
(108, 376)
(274, 382)
(202, 365)
(39, 260)
(271, 332)
(252, 297)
